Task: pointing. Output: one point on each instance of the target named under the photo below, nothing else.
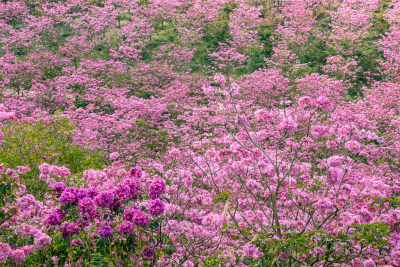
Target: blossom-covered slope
(200, 133)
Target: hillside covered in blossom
(200, 133)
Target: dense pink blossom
(324, 103)
(68, 229)
(67, 197)
(126, 228)
(140, 218)
(252, 126)
(42, 241)
(353, 146)
(156, 188)
(5, 252)
(135, 172)
(86, 205)
(58, 187)
(369, 263)
(104, 199)
(128, 188)
(288, 124)
(305, 101)
(148, 252)
(114, 155)
(130, 212)
(28, 249)
(54, 218)
(105, 231)
(18, 255)
(156, 207)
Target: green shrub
(48, 140)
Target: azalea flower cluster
(121, 211)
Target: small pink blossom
(288, 125)
(114, 155)
(353, 146)
(305, 101)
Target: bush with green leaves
(44, 140)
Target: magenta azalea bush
(200, 133)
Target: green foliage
(385, 203)
(157, 140)
(165, 36)
(339, 248)
(217, 32)
(146, 94)
(64, 251)
(221, 197)
(7, 196)
(380, 25)
(48, 140)
(214, 261)
(368, 58)
(265, 34)
(316, 54)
